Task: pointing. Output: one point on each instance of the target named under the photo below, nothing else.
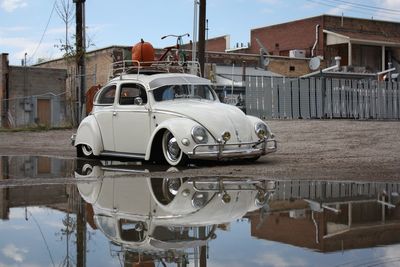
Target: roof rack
(120, 68)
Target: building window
(292, 68)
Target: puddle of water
(114, 213)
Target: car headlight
(199, 199)
(199, 135)
(261, 130)
(226, 136)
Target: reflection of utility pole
(80, 53)
(203, 249)
(4, 193)
(202, 27)
(81, 233)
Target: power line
(44, 31)
(370, 13)
(43, 237)
(368, 10)
(389, 10)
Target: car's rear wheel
(171, 150)
(84, 151)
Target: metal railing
(136, 67)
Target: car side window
(107, 95)
(129, 92)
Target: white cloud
(12, 252)
(385, 14)
(15, 227)
(59, 31)
(11, 5)
(389, 4)
(13, 29)
(17, 47)
(389, 253)
(276, 260)
(224, 264)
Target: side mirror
(138, 101)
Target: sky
(35, 27)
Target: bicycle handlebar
(174, 35)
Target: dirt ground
(308, 149)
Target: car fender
(88, 133)
(180, 128)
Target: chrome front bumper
(219, 151)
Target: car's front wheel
(84, 151)
(171, 150)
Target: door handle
(114, 113)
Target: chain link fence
(44, 110)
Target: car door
(131, 120)
(104, 115)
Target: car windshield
(183, 91)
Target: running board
(122, 155)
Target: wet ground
(66, 212)
(307, 149)
(328, 197)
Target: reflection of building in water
(331, 216)
(31, 183)
(23, 170)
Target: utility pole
(202, 35)
(80, 54)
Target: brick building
(364, 45)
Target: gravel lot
(308, 149)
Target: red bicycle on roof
(180, 55)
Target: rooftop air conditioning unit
(297, 53)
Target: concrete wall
(98, 65)
(22, 87)
(289, 67)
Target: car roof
(161, 79)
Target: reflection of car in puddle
(164, 217)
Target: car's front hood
(214, 116)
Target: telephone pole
(80, 55)
(202, 35)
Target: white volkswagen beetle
(169, 116)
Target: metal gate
(277, 97)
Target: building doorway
(44, 112)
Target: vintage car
(169, 117)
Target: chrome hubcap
(87, 151)
(173, 186)
(173, 149)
